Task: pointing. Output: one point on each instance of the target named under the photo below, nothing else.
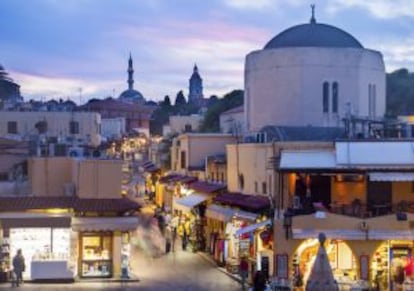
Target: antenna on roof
(313, 20)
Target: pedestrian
(259, 281)
(244, 270)
(168, 238)
(18, 267)
(174, 228)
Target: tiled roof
(75, 203)
(177, 178)
(303, 133)
(168, 178)
(248, 202)
(205, 187)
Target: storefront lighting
(56, 211)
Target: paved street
(180, 270)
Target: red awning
(205, 187)
(75, 203)
(249, 202)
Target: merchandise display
(40, 244)
(96, 255)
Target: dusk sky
(78, 49)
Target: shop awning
(188, 202)
(104, 223)
(225, 214)
(307, 159)
(348, 234)
(13, 220)
(253, 227)
(391, 176)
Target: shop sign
(364, 267)
(282, 267)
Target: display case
(96, 253)
(96, 268)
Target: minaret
(130, 73)
(196, 86)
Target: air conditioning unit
(75, 152)
(69, 189)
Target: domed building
(131, 95)
(313, 74)
(9, 90)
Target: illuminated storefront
(96, 254)
(59, 246)
(340, 257)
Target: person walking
(168, 238)
(18, 267)
(259, 281)
(244, 270)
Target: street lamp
(287, 224)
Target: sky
(78, 49)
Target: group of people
(173, 226)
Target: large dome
(131, 95)
(313, 35)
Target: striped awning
(253, 227)
(188, 202)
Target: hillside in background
(400, 93)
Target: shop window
(12, 127)
(96, 252)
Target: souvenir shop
(63, 247)
(339, 254)
(46, 243)
(392, 265)
(233, 233)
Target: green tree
(180, 99)
(211, 121)
(400, 92)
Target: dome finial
(313, 20)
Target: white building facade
(312, 74)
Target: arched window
(335, 97)
(325, 97)
(372, 100)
